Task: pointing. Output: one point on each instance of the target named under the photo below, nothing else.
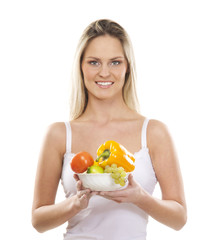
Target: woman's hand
(83, 195)
(133, 193)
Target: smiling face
(104, 67)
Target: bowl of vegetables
(109, 172)
(112, 178)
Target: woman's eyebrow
(93, 58)
(117, 57)
(110, 58)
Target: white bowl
(100, 181)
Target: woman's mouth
(104, 84)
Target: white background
(173, 43)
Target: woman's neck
(104, 111)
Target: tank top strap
(143, 134)
(68, 137)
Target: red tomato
(81, 161)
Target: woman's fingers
(129, 194)
(80, 186)
(93, 193)
(131, 180)
(76, 177)
(116, 199)
(113, 194)
(83, 192)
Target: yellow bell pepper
(112, 152)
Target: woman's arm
(171, 210)
(45, 213)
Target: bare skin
(107, 118)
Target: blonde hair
(79, 97)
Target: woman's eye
(114, 63)
(95, 63)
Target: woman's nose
(104, 70)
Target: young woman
(104, 106)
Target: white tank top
(105, 219)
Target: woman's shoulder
(56, 135)
(157, 126)
(157, 132)
(56, 129)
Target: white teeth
(104, 83)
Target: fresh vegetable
(95, 169)
(81, 161)
(117, 173)
(112, 152)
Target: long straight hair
(79, 96)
